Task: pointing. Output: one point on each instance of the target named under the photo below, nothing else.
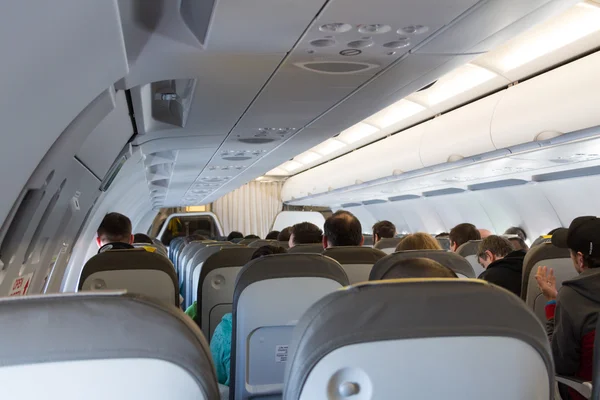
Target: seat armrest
(582, 387)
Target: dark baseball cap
(582, 236)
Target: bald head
(342, 229)
(484, 233)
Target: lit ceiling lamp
(328, 147)
(308, 157)
(456, 82)
(577, 23)
(357, 132)
(291, 166)
(395, 113)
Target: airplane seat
(544, 254)
(216, 281)
(469, 251)
(312, 248)
(246, 242)
(173, 246)
(387, 245)
(400, 269)
(150, 248)
(404, 339)
(456, 263)
(271, 294)
(191, 250)
(137, 271)
(369, 240)
(86, 345)
(192, 269)
(284, 244)
(357, 261)
(263, 242)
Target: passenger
(142, 238)
(461, 234)
(483, 233)
(251, 237)
(572, 312)
(502, 263)
(418, 268)
(383, 230)
(114, 233)
(234, 235)
(418, 241)
(305, 233)
(220, 344)
(342, 229)
(272, 235)
(284, 235)
(517, 242)
(515, 230)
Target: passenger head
(418, 268)
(267, 251)
(272, 235)
(342, 229)
(418, 241)
(305, 233)
(234, 235)
(493, 248)
(483, 233)
(251, 237)
(518, 243)
(115, 227)
(515, 230)
(383, 229)
(461, 234)
(142, 238)
(284, 235)
(583, 241)
(194, 238)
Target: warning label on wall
(20, 285)
(281, 353)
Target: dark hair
(272, 235)
(267, 251)
(515, 230)
(234, 235)
(306, 233)
(285, 234)
(115, 227)
(552, 231)
(251, 237)
(442, 235)
(194, 238)
(590, 262)
(142, 238)
(418, 268)
(384, 229)
(343, 229)
(497, 245)
(418, 241)
(462, 233)
(518, 243)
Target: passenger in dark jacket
(572, 314)
(503, 265)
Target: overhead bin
(561, 101)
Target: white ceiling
(247, 76)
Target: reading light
(456, 82)
(291, 165)
(576, 23)
(395, 113)
(328, 147)
(357, 132)
(308, 157)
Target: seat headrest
(313, 248)
(404, 309)
(453, 261)
(289, 266)
(416, 268)
(102, 325)
(387, 243)
(354, 254)
(260, 243)
(468, 249)
(540, 252)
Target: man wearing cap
(572, 313)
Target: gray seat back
(387, 245)
(216, 283)
(69, 343)
(260, 243)
(246, 242)
(314, 248)
(456, 263)
(357, 261)
(271, 294)
(149, 247)
(407, 269)
(135, 270)
(405, 339)
(188, 252)
(284, 244)
(469, 252)
(544, 254)
(192, 258)
(174, 247)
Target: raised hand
(547, 282)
